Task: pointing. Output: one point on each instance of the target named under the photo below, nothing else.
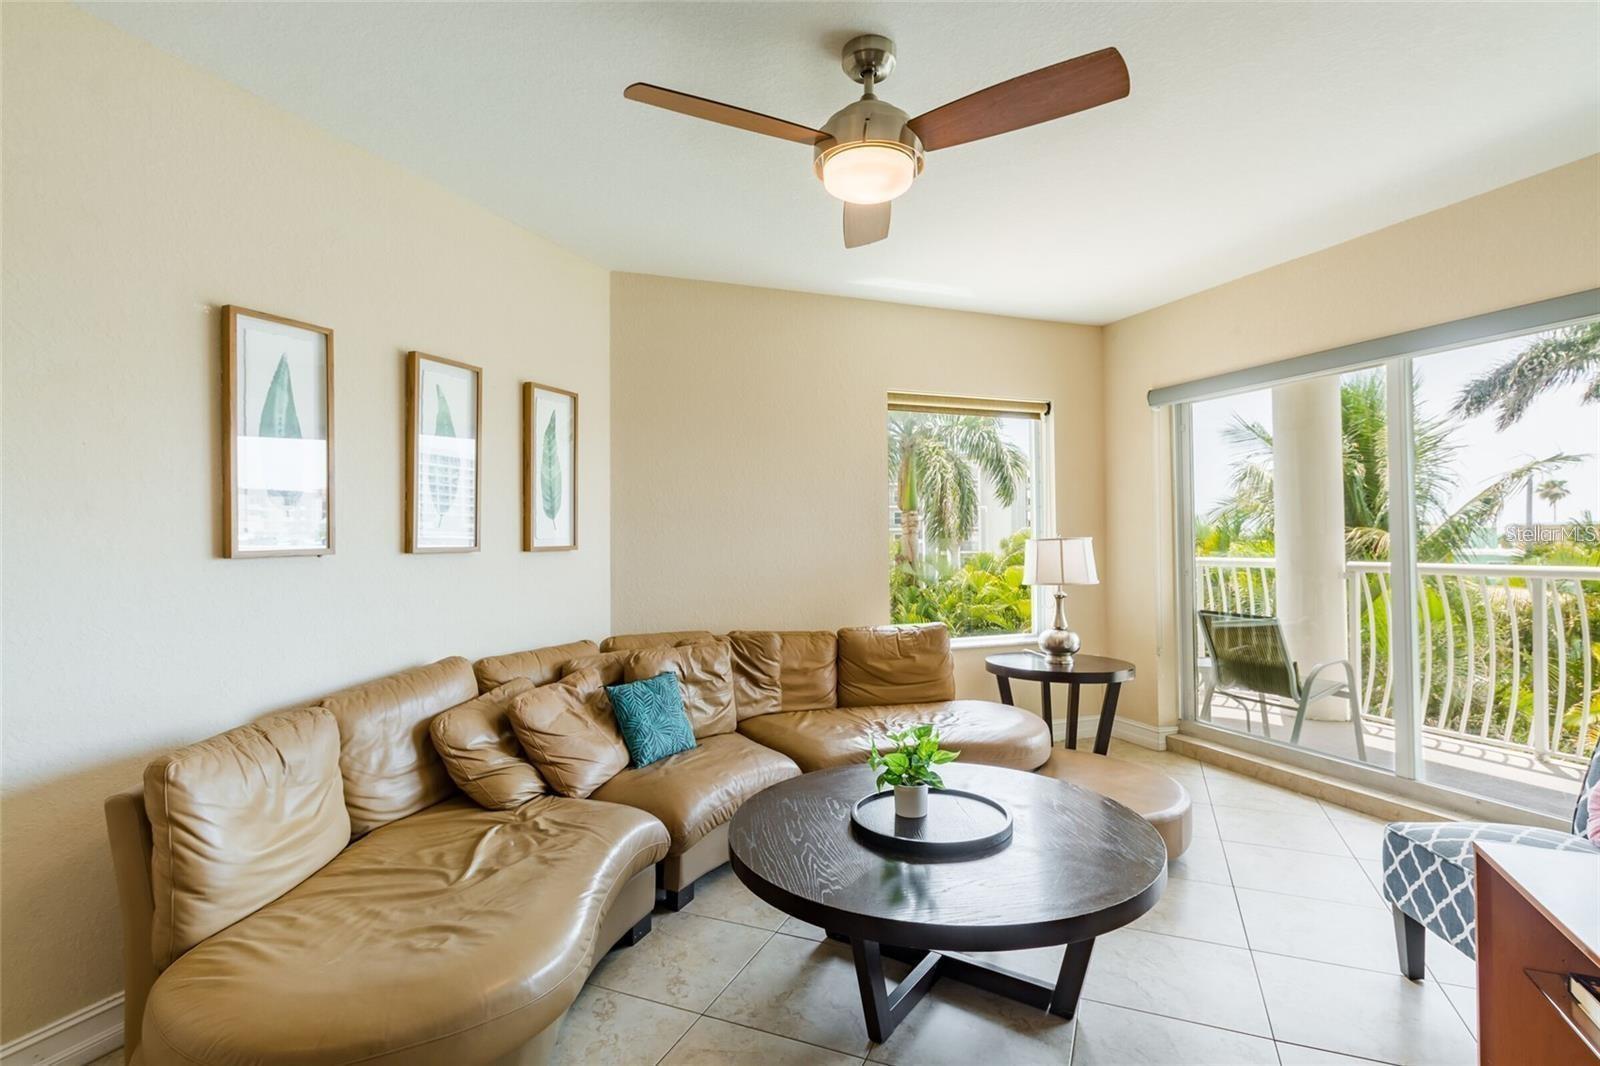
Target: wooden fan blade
(865, 223)
(1053, 92)
(726, 114)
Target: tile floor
(1271, 945)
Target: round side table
(1084, 670)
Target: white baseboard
(1134, 732)
(79, 1038)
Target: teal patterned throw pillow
(651, 717)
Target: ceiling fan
(870, 152)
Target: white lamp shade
(1059, 561)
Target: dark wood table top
(1085, 669)
(1078, 865)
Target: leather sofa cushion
(757, 672)
(606, 664)
(481, 752)
(541, 665)
(705, 676)
(698, 790)
(455, 935)
(881, 665)
(238, 820)
(983, 732)
(388, 760)
(569, 733)
(670, 639)
(807, 668)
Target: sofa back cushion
(540, 665)
(570, 734)
(807, 669)
(606, 665)
(389, 763)
(881, 665)
(670, 639)
(481, 752)
(705, 679)
(757, 657)
(238, 820)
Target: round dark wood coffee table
(1078, 865)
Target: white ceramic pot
(911, 801)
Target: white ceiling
(1254, 133)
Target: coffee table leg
(1005, 689)
(884, 1009)
(1064, 1001)
(1108, 714)
(874, 994)
(1072, 714)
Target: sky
(1556, 422)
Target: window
(1432, 616)
(967, 488)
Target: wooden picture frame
(277, 435)
(438, 518)
(549, 485)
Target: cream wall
(1528, 241)
(748, 449)
(139, 196)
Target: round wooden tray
(958, 825)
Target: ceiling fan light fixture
(868, 172)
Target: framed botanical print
(549, 468)
(277, 380)
(444, 406)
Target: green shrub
(984, 595)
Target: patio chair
(1250, 660)
(1427, 873)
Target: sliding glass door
(1394, 567)
(1508, 570)
(1289, 644)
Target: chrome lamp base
(1058, 643)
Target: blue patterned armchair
(1427, 873)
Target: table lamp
(1059, 561)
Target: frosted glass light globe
(868, 173)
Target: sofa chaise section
(454, 935)
(312, 888)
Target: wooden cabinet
(1538, 921)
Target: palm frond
(1552, 360)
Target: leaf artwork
(444, 471)
(550, 472)
(279, 419)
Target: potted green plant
(910, 768)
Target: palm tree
(1553, 491)
(1558, 358)
(933, 465)
(1366, 480)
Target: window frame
(1041, 488)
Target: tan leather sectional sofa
(325, 886)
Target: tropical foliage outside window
(961, 490)
(1462, 521)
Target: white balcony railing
(1507, 653)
